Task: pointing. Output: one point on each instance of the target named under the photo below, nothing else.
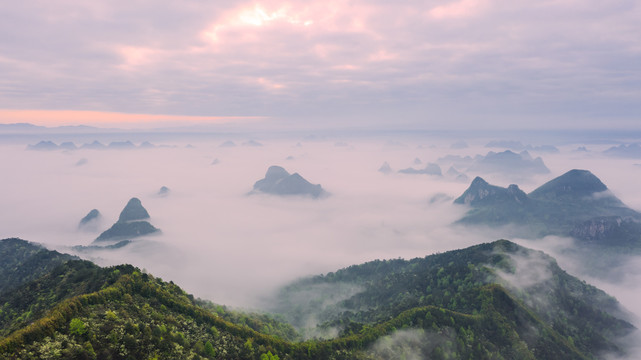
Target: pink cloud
(312, 18)
(100, 118)
(269, 84)
(247, 18)
(383, 55)
(135, 56)
(459, 9)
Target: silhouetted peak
(513, 188)
(278, 181)
(275, 172)
(121, 145)
(93, 214)
(43, 145)
(68, 145)
(574, 183)
(385, 168)
(478, 182)
(94, 145)
(133, 211)
(481, 192)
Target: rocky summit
(130, 224)
(90, 219)
(133, 211)
(481, 192)
(278, 181)
(573, 185)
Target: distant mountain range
(429, 169)
(518, 146)
(46, 145)
(625, 151)
(574, 204)
(513, 165)
(491, 301)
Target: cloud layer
(402, 64)
(221, 244)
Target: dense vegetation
(452, 305)
(359, 296)
(21, 262)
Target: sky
(457, 64)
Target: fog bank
(224, 245)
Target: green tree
(269, 356)
(209, 349)
(77, 327)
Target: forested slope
(452, 305)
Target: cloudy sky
(401, 64)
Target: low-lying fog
(221, 244)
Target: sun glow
(256, 15)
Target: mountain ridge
(121, 312)
(557, 207)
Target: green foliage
(31, 301)
(209, 349)
(23, 261)
(77, 327)
(264, 323)
(269, 356)
(449, 305)
(133, 317)
(458, 281)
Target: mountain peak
(278, 181)
(93, 214)
(133, 211)
(385, 168)
(90, 221)
(481, 192)
(478, 182)
(131, 224)
(573, 184)
(276, 172)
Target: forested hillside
(23, 261)
(459, 304)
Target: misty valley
(208, 245)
